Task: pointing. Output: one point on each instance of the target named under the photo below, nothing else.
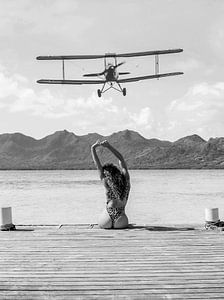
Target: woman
(117, 184)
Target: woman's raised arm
(96, 158)
(119, 156)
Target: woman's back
(117, 195)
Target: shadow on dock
(159, 228)
(20, 229)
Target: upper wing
(154, 52)
(148, 77)
(63, 57)
(145, 53)
(77, 82)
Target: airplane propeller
(102, 73)
(120, 64)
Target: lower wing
(78, 82)
(132, 79)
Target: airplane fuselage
(111, 73)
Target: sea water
(69, 197)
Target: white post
(212, 215)
(6, 219)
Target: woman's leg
(105, 221)
(121, 222)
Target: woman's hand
(105, 144)
(96, 144)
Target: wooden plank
(156, 280)
(112, 285)
(70, 296)
(201, 277)
(127, 291)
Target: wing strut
(63, 69)
(156, 64)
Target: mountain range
(66, 150)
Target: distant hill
(65, 150)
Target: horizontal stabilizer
(76, 82)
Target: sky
(168, 109)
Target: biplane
(111, 76)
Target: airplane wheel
(124, 91)
(99, 93)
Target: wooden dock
(84, 262)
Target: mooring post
(212, 220)
(6, 219)
(212, 215)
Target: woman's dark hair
(116, 180)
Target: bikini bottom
(114, 213)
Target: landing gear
(112, 85)
(99, 93)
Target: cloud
(188, 65)
(102, 116)
(44, 17)
(143, 118)
(200, 111)
(8, 86)
(216, 38)
(86, 114)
